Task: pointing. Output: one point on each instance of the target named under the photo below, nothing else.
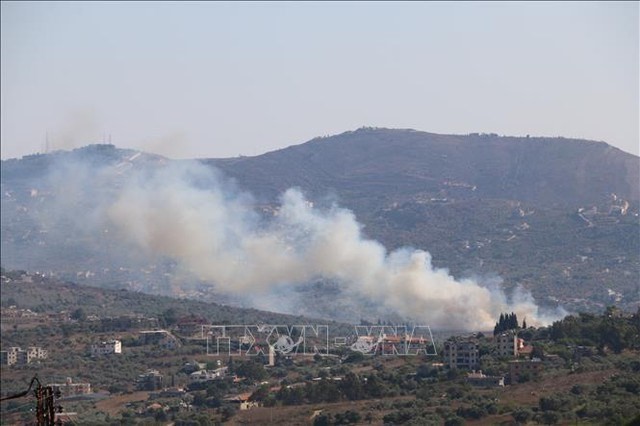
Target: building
(10, 356)
(17, 355)
(191, 325)
(207, 375)
(525, 351)
(523, 370)
(461, 353)
(506, 344)
(242, 401)
(151, 380)
(481, 380)
(106, 348)
(69, 389)
(161, 338)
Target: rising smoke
(185, 212)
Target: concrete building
(241, 401)
(106, 348)
(69, 389)
(161, 338)
(17, 355)
(10, 356)
(506, 344)
(461, 353)
(524, 369)
(151, 380)
(482, 380)
(207, 375)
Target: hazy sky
(222, 79)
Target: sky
(222, 79)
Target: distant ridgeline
(555, 216)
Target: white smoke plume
(184, 212)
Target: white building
(69, 389)
(106, 348)
(206, 375)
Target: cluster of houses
(19, 356)
(14, 315)
(464, 353)
(161, 338)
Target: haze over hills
(558, 217)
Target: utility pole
(45, 408)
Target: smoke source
(185, 212)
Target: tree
(352, 387)
(522, 415)
(78, 315)
(251, 370)
(169, 317)
(260, 394)
(227, 412)
(322, 420)
(506, 322)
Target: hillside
(556, 216)
(46, 295)
(386, 163)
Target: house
(481, 380)
(151, 380)
(521, 370)
(242, 401)
(525, 351)
(207, 375)
(69, 389)
(461, 353)
(106, 348)
(161, 338)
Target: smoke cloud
(186, 212)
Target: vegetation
(505, 323)
(591, 375)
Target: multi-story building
(36, 352)
(461, 353)
(16, 355)
(506, 344)
(10, 356)
(151, 380)
(106, 348)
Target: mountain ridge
(556, 216)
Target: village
(190, 365)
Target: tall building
(506, 344)
(461, 353)
(16, 355)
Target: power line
(19, 407)
(21, 394)
(45, 408)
